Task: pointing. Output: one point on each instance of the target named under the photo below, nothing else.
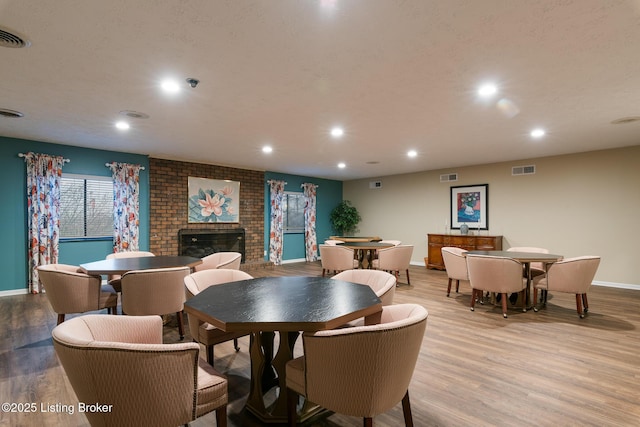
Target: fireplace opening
(200, 243)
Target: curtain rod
(109, 165)
(24, 155)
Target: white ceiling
(396, 74)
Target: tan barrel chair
(381, 282)
(572, 275)
(362, 371)
(71, 291)
(203, 332)
(337, 258)
(229, 260)
(537, 270)
(114, 279)
(394, 259)
(455, 263)
(157, 291)
(391, 242)
(121, 363)
(333, 242)
(500, 275)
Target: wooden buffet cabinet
(436, 242)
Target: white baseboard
(291, 261)
(617, 285)
(14, 292)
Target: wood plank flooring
(475, 368)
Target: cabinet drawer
(435, 238)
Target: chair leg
(367, 422)
(60, 318)
(457, 285)
(210, 354)
(409, 280)
(474, 292)
(504, 305)
(579, 305)
(535, 299)
(324, 271)
(235, 344)
(221, 416)
(406, 410)
(524, 300)
(292, 403)
(180, 325)
(449, 286)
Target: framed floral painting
(213, 200)
(470, 206)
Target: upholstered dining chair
(501, 275)
(203, 332)
(333, 242)
(114, 279)
(571, 275)
(455, 263)
(157, 291)
(71, 291)
(359, 371)
(337, 258)
(120, 361)
(392, 242)
(394, 259)
(229, 260)
(381, 282)
(537, 270)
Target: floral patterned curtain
(43, 205)
(310, 242)
(276, 234)
(126, 206)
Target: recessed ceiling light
(170, 86)
(267, 149)
(487, 90)
(342, 165)
(337, 132)
(412, 153)
(537, 133)
(122, 125)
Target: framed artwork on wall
(213, 201)
(470, 206)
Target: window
(86, 206)
(293, 212)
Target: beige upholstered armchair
(203, 332)
(333, 242)
(71, 291)
(155, 291)
(394, 259)
(121, 363)
(455, 263)
(229, 260)
(362, 371)
(572, 275)
(495, 274)
(392, 242)
(114, 279)
(381, 282)
(337, 258)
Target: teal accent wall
(13, 211)
(329, 195)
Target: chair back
(495, 274)
(154, 291)
(395, 258)
(120, 361)
(336, 258)
(69, 290)
(391, 242)
(200, 280)
(333, 242)
(572, 275)
(230, 260)
(366, 370)
(381, 282)
(455, 263)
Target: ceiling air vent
(449, 177)
(375, 184)
(10, 113)
(8, 39)
(523, 170)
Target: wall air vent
(9, 39)
(449, 177)
(375, 184)
(523, 170)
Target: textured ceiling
(397, 75)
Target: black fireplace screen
(200, 243)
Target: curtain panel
(126, 206)
(310, 242)
(276, 230)
(43, 212)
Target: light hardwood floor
(475, 368)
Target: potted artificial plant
(344, 218)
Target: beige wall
(579, 204)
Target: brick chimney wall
(168, 182)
